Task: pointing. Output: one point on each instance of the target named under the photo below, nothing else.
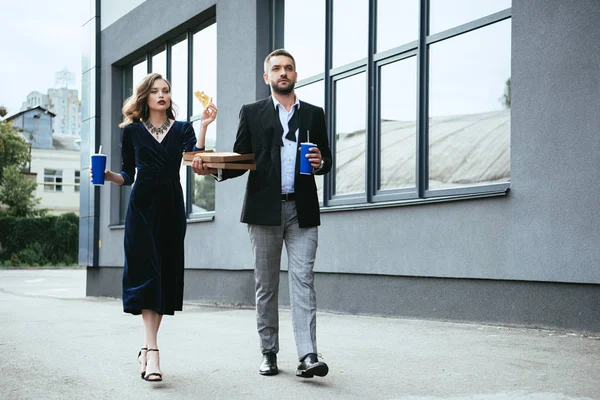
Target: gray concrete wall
(532, 304)
(237, 29)
(494, 250)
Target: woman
(155, 223)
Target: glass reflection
(179, 81)
(350, 31)
(315, 95)
(203, 187)
(159, 63)
(304, 35)
(446, 14)
(397, 23)
(397, 124)
(205, 65)
(140, 70)
(469, 125)
(350, 117)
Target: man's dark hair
(279, 52)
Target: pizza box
(223, 160)
(219, 157)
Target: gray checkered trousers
(301, 246)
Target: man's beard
(286, 90)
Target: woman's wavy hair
(136, 106)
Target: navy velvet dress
(155, 223)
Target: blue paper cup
(305, 167)
(98, 167)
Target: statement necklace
(158, 131)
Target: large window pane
(179, 81)
(469, 125)
(314, 94)
(350, 117)
(397, 23)
(398, 128)
(205, 65)
(350, 31)
(304, 35)
(446, 14)
(159, 63)
(203, 187)
(140, 70)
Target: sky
(39, 38)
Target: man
(281, 205)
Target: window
(204, 77)
(416, 94)
(52, 180)
(189, 62)
(77, 180)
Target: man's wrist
(320, 166)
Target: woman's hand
(209, 114)
(109, 176)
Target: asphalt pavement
(55, 343)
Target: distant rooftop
(469, 150)
(42, 109)
(66, 142)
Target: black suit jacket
(259, 132)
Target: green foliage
(39, 241)
(203, 192)
(13, 148)
(33, 254)
(506, 96)
(16, 192)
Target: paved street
(57, 344)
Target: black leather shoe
(311, 366)
(268, 366)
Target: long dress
(155, 222)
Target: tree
(16, 192)
(16, 189)
(506, 96)
(13, 148)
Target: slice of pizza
(203, 97)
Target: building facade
(55, 160)
(36, 125)
(35, 99)
(464, 139)
(66, 106)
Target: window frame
(54, 185)
(372, 63)
(77, 180)
(127, 76)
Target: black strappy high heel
(153, 373)
(140, 361)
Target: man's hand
(314, 157)
(200, 168)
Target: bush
(41, 240)
(33, 254)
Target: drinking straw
(308, 136)
(100, 150)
